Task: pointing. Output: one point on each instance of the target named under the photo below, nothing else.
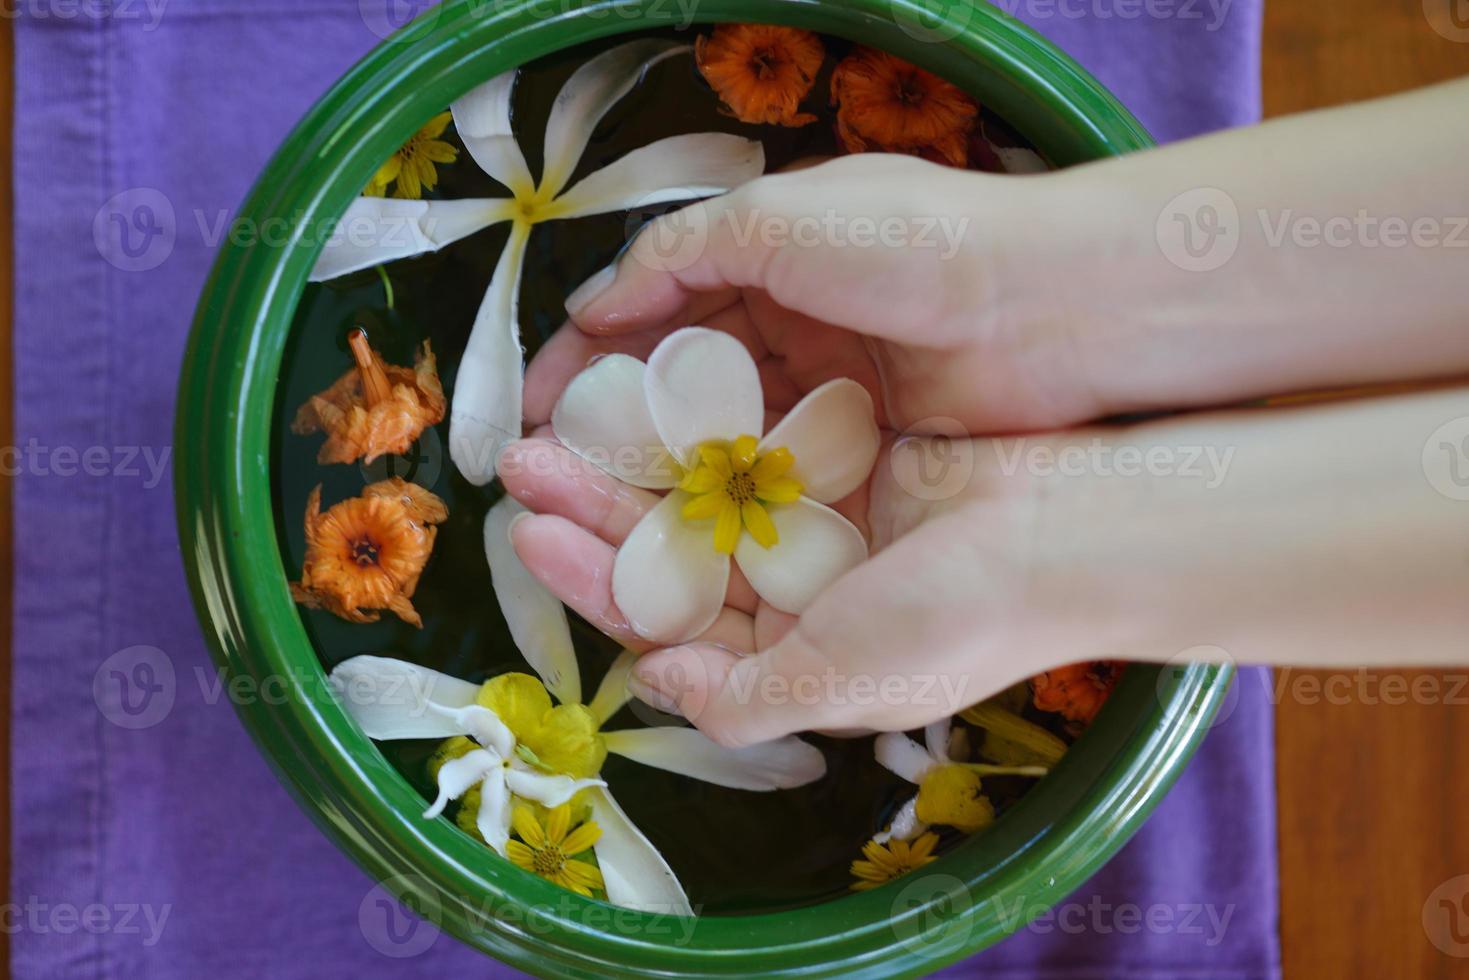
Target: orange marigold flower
(760, 71)
(1078, 691)
(375, 408)
(884, 103)
(366, 553)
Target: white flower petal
(677, 168)
(635, 873)
(905, 825)
(667, 578)
(546, 789)
(493, 818)
(936, 739)
(1019, 160)
(480, 724)
(393, 699)
(482, 120)
(613, 692)
(902, 756)
(536, 618)
(703, 385)
(816, 547)
(457, 775)
(585, 98)
(603, 417)
(486, 410)
(376, 230)
(832, 433)
(779, 764)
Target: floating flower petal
(884, 862)
(366, 553)
(1077, 692)
(886, 104)
(411, 167)
(761, 71)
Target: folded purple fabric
(149, 836)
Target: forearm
(1328, 535)
(1337, 256)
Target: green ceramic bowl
(1044, 847)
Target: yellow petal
(717, 460)
(571, 884)
(701, 479)
(863, 886)
(586, 874)
(408, 186)
(526, 825)
(520, 855)
(558, 821)
(780, 490)
(438, 151)
(519, 700)
(923, 847)
(758, 523)
(388, 172)
(774, 463)
(706, 506)
(870, 871)
(727, 529)
(742, 453)
(436, 126)
(951, 795)
(567, 741)
(581, 839)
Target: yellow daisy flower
(733, 485)
(412, 167)
(547, 849)
(884, 863)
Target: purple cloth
(167, 848)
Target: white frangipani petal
(585, 98)
(603, 417)
(635, 873)
(817, 546)
(486, 411)
(613, 692)
(392, 699)
(703, 385)
(779, 764)
(832, 433)
(536, 618)
(493, 818)
(482, 119)
(905, 825)
(545, 789)
(667, 578)
(678, 168)
(936, 739)
(457, 775)
(902, 756)
(376, 230)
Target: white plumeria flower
(732, 494)
(440, 706)
(393, 699)
(486, 409)
(947, 788)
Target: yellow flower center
(734, 485)
(547, 860)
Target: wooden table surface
(1373, 794)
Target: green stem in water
(387, 284)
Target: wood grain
(1373, 795)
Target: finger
(548, 478)
(565, 355)
(576, 567)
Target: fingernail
(644, 687)
(524, 515)
(581, 297)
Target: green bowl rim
(239, 587)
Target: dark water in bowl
(734, 851)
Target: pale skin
(1320, 535)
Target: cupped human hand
(914, 314)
